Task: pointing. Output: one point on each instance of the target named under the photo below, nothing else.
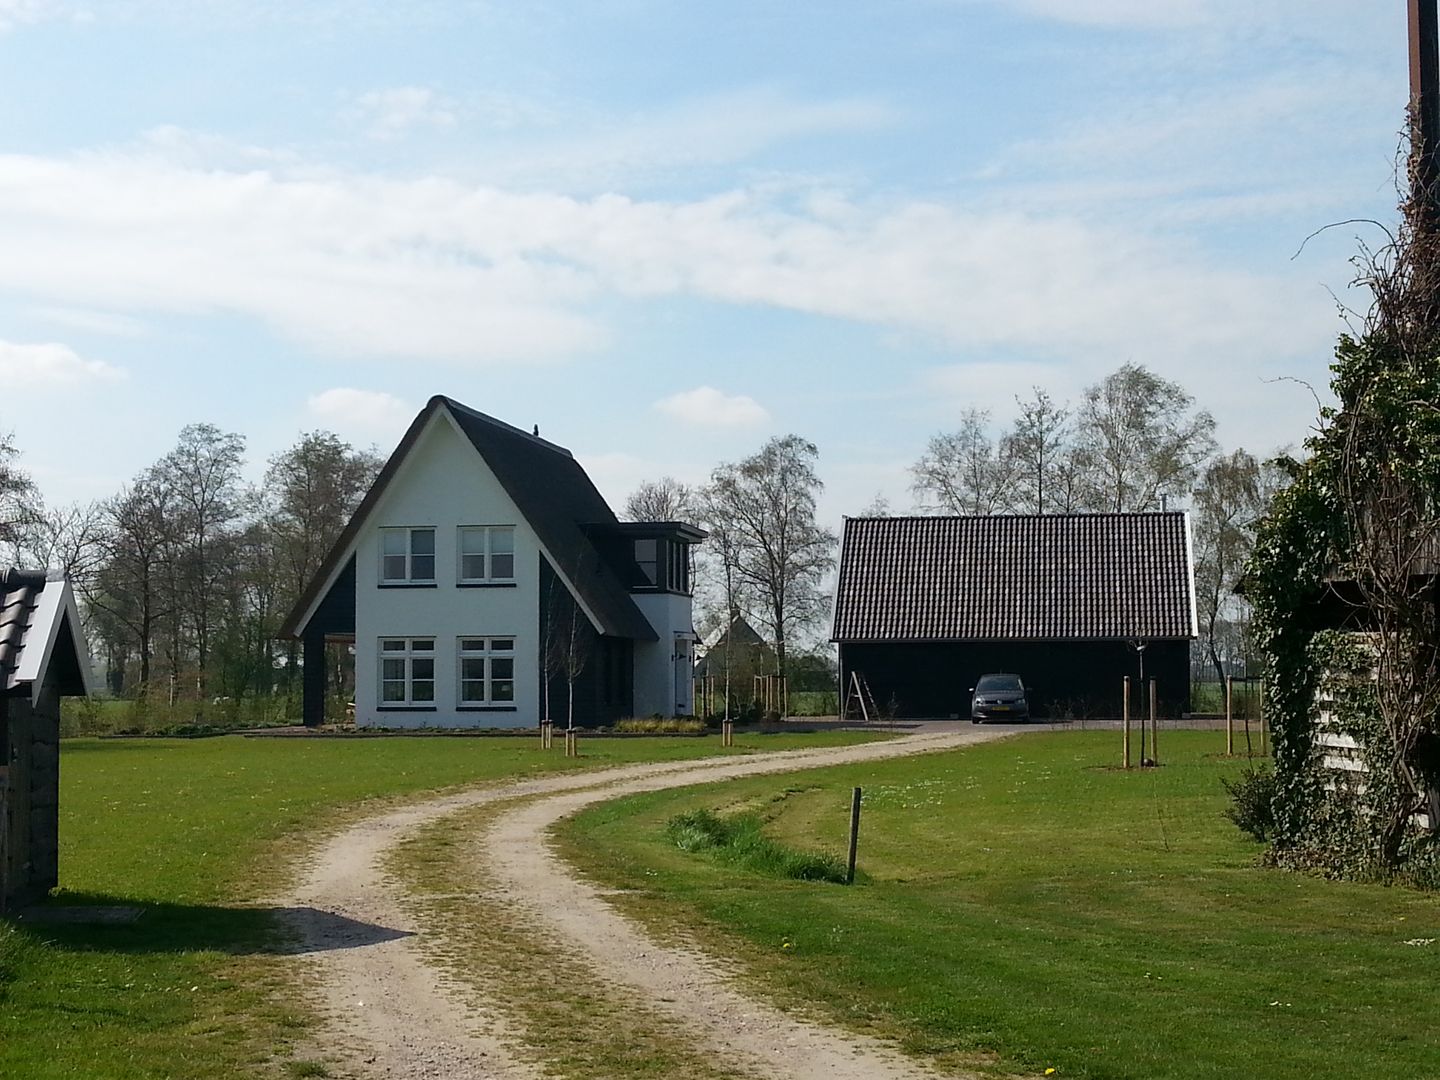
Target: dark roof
(1035, 577)
(550, 489)
(36, 613)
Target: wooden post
(1154, 725)
(854, 836)
(1125, 720)
(1261, 710)
(1229, 716)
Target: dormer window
(407, 556)
(487, 554)
(647, 558)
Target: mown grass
(196, 832)
(1026, 902)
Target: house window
(487, 554)
(407, 672)
(679, 567)
(407, 556)
(487, 670)
(647, 558)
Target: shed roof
(40, 632)
(1023, 577)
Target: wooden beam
(1425, 99)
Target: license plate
(1000, 708)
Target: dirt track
(391, 1013)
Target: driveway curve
(392, 1012)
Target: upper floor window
(407, 556)
(647, 558)
(487, 554)
(679, 567)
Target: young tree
(666, 499)
(1138, 440)
(780, 553)
(962, 471)
(1035, 448)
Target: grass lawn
(195, 832)
(1024, 903)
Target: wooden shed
(1072, 603)
(42, 659)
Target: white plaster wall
(445, 483)
(669, 614)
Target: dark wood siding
(1085, 678)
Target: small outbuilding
(42, 659)
(1072, 603)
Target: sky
(665, 232)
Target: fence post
(854, 836)
(1125, 720)
(1154, 725)
(1229, 716)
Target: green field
(1023, 904)
(195, 832)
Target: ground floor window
(407, 671)
(487, 670)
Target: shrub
(656, 725)
(740, 840)
(1252, 802)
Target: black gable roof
(558, 500)
(551, 490)
(1033, 577)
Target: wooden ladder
(859, 692)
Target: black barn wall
(928, 680)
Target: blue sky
(666, 231)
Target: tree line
(1134, 442)
(186, 573)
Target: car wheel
(974, 720)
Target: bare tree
(1228, 503)
(1138, 441)
(20, 505)
(962, 471)
(129, 591)
(780, 553)
(666, 499)
(203, 474)
(1036, 449)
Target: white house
(484, 560)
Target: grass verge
(196, 832)
(1026, 900)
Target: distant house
(740, 648)
(482, 566)
(42, 659)
(925, 605)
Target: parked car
(999, 697)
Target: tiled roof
(19, 596)
(1036, 577)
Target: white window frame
(409, 555)
(489, 534)
(406, 651)
(483, 648)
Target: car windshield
(1000, 683)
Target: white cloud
(15, 13)
(399, 110)
(707, 407)
(361, 414)
(356, 265)
(94, 322)
(50, 365)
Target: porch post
(312, 709)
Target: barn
(42, 658)
(1072, 603)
